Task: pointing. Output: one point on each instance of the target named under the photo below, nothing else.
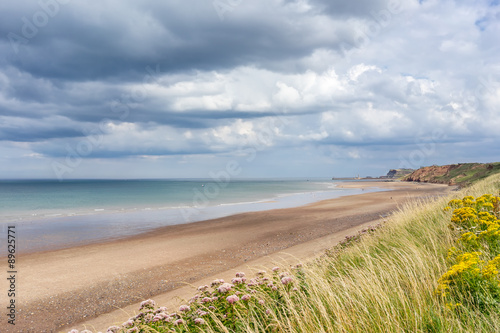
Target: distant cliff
(462, 174)
(398, 173)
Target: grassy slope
(386, 282)
(466, 174)
(471, 172)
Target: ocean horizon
(51, 214)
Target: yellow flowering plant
(473, 277)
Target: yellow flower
(452, 306)
(468, 237)
(491, 269)
(455, 203)
(488, 205)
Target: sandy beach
(95, 286)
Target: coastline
(66, 231)
(64, 287)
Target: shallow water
(52, 214)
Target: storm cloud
(309, 87)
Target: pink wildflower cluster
(232, 299)
(147, 304)
(238, 280)
(225, 287)
(184, 308)
(220, 302)
(217, 282)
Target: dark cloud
(362, 8)
(84, 42)
(172, 78)
(36, 133)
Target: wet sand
(84, 286)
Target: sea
(52, 214)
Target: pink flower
(268, 311)
(150, 304)
(128, 323)
(237, 281)
(286, 280)
(178, 322)
(217, 282)
(295, 289)
(206, 300)
(113, 329)
(232, 299)
(199, 321)
(261, 272)
(245, 297)
(274, 288)
(240, 274)
(203, 288)
(261, 302)
(225, 287)
(184, 308)
(275, 269)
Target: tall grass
(382, 282)
(386, 282)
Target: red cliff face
(462, 174)
(429, 174)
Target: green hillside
(462, 174)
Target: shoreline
(65, 287)
(78, 230)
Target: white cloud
(221, 85)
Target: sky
(260, 88)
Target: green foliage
(464, 174)
(473, 278)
